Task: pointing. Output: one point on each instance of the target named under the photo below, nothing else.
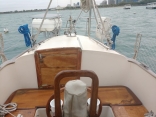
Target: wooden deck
(120, 98)
(129, 111)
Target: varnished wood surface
(117, 95)
(31, 98)
(51, 61)
(28, 99)
(129, 111)
(25, 113)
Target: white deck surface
(85, 43)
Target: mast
(89, 23)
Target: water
(133, 21)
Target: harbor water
(131, 22)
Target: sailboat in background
(127, 6)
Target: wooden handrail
(76, 73)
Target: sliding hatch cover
(51, 61)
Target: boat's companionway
(51, 61)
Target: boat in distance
(127, 6)
(151, 5)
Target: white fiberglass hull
(111, 68)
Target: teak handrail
(76, 73)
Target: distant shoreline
(66, 8)
(26, 11)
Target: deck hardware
(41, 58)
(150, 114)
(145, 66)
(70, 28)
(44, 85)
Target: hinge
(41, 58)
(45, 86)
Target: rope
(2, 55)
(15, 45)
(85, 5)
(1, 42)
(36, 36)
(7, 108)
(26, 32)
(116, 31)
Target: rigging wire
(70, 6)
(1, 42)
(13, 45)
(57, 8)
(85, 5)
(2, 55)
(36, 36)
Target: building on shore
(59, 8)
(111, 2)
(118, 1)
(130, 1)
(68, 5)
(125, 1)
(104, 2)
(76, 4)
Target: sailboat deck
(120, 98)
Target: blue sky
(12, 5)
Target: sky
(12, 5)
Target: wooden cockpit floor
(29, 100)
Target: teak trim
(76, 73)
(10, 98)
(136, 99)
(138, 102)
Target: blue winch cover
(116, 31)
(26, 32)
